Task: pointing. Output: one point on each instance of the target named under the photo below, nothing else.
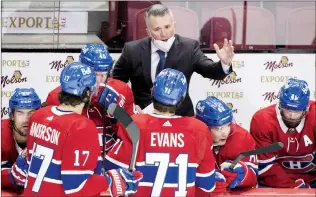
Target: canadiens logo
(16, 78)
(284, 63)
(57, 65)
(298, 164)
(230, 79)
(271, 96)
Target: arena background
(275, 43)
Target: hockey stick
(270, 148)
(133, 131)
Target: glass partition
(250, 24)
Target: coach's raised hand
(226, 53)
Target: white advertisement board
(44, 22)
(259, 78)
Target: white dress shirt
(155, 60)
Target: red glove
(235, 176)
(220, 184)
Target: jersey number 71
(163, 160)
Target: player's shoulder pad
(137, 43)
(141, 119)
(242, 133)
(196, 123)
(264, 113)
(81, 121)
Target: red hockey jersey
(125, 100)
(239, 141)
(9, 153)
(63, 154)
(297, 158)
(95, 112)
(174, 154)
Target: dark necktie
(162, 61)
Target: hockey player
(292, 122)
(174, 152)
(229, 140)
(97, 57)
(22, 104)
(63, 146)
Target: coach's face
(161, 27)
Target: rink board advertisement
(44, 22)
(256, 85)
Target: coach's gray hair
(157, 10)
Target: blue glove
(108, 96)
(19, 170)
(236, 175)
(122, 182)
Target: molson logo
(284, 63)
(4, 111)
(58, 64)
(16, 63)
(230, 79)
(271, 96)
(16, 78)
(34, 22)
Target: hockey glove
(19, 169)
(234, 176)
(122, 182)
(220, 183)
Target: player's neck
(77, 109)
(163, 113)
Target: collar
(284, 128)
(60, 112)
(153, 47)
(163, 116)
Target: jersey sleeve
(6, 179)
(81, 161)
(205, 174)
(119, 156)
(251, 162)
(270, 172)
(6, 182)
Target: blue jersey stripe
(53, 171)
(206, 183)
(172, 175)
(73, 181)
